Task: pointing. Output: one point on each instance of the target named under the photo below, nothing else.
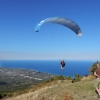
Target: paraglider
(62, 64)
(62, 21)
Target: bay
(51, 66)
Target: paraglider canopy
(62, 21)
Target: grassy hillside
(61, 90)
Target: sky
(19, 41)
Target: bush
(77, 78)
(69, 77)
(61, 77)
(93, 68)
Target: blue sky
(18, 40)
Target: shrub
(69, 77)
(93, 68)
(77, 78)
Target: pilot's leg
(62, 67)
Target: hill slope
(62, 90)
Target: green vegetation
(77, 78)
(93, 67)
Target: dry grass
(67, 97)
(64, 90)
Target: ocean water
(51, 66)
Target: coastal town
(15, 78)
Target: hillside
(61, 90)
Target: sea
(72, 67)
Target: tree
(93, 68)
